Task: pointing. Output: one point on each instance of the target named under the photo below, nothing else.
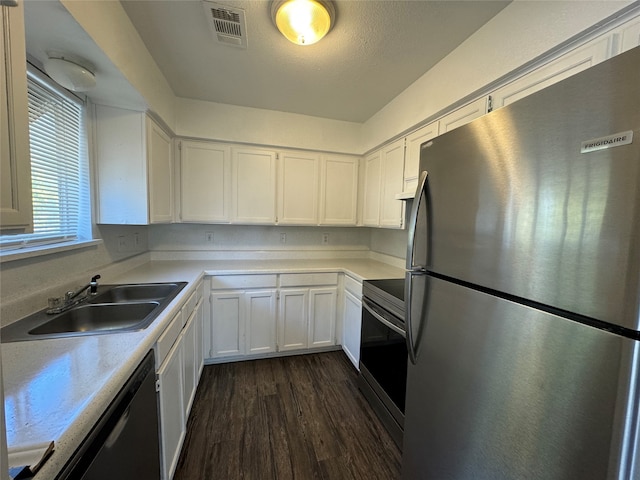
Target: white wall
(230, 123)
(520, 33)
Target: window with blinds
(59, 170)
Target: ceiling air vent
(227, 24)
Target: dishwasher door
(124, 445)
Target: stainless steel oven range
(383, 352)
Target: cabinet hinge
(180, 145)
(489, 103)
(277, 156)
(157, 385)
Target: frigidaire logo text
(615, 140)
(608, 141)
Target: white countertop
(56, 389)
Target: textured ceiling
(375, 51)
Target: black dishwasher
(124, 444)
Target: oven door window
(384, 353)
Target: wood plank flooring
(299, 417)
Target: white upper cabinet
(392, 170)
(383, 181)
(412, 155)
(205, 182)
(134, 168)
(298, 188)
(160, 174)
(15, 160)
(569, 64)
(627, 36)
(339, 190)
(253, 188)
(371, 197)
(463, 115)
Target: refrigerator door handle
(413, 220)
(411, 335)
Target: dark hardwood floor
(299, 417)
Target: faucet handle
(94, 285)
(54, 302)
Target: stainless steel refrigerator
(523, 289)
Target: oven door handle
(383, 320)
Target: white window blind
(59, 173)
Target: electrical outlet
(209, 237)
(325, 239)
(122, 243)
(283, 238)
(136, 240)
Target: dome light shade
(303, 22)
(70, 74)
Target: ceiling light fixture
(303, 22)
(70, 73)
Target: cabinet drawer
(302, 279)
(353, 286)
(168, 338)
(243, 281)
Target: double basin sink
(113, 309)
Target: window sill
(31, 252)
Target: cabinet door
(372, 173)
(260, 322)
(298, 188)
(352, 321)
(160, 174)
(227, 325)
(200, 339)
(293, 319)
(172, 424)
(253, 186)
(205, 182)
(189, 363)
(15, 160)
(339, 190)
(392, 168)
(121, 166)
(629, 35)
(412, 155)
(322, 316)
(463, 115)
(552, 72)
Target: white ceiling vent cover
(227, 24)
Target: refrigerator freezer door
(417, 247)
(522, 202)
(502, 391)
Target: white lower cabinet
(352, 320)
(189, 363)
(227, 325)
(307, 310)
(322, 317)
(179, 362)
(260, 321)
(264, 314)
(293, 318)
(172, 422)
(243, 323)
(242, 315)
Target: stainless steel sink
(99, 317)
(115, 309)
(135, 293)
